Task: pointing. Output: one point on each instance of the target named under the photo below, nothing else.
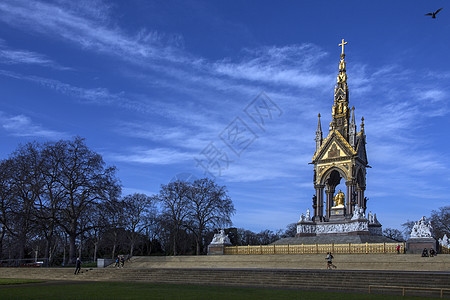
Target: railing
(314, 249)
(444, 250)
(404, 288)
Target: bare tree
(291, 230)
(6, 199)
(267, 236)
(440, 220)
(25, 187)
(49, 200)
(85, 181)
(140, 212)
(209, 206)
(174, 201)
(246, 237)
(407, 228)
(394, 234)
(114, 221)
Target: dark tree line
(61, 201)
(244, 237)
(196, 207)
(48, 192)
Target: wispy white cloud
(91, 95)
(156, 156)
(23, 126)
(86, 25)
(18, 56)
(193, 138)
(433, 95)
(90, 28)
(289, 65)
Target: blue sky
(155, 85)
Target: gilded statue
(339, 199)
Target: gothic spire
(362, 124)
(319, 136)
(319, 126)
(341, 112)
(362, 128)
(352, 130)
(353, 116)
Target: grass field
(122, 290)
(18, 281)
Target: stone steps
(233, 271)
(304, 261)
(333, 280)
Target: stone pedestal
(216, 249)
(375, 229)
(416, 245)
(337, 213)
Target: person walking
(117, 265)
(122, 261)
(329, 259)
(77, 266)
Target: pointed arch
(327, 174)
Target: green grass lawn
(7, 281)
(122, 290)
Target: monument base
(416, 245)
(338, 226)
(335, 238)
(337, 213)
(217, 249)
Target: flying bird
(433, 14)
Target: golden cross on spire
(342, 44)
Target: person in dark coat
(77, 266)
(425, 252)
(432, 252)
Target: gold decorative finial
(319, 115)
(342, 44)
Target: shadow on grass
(127, 290)
(7, 281)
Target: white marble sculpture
(374, 219)
(302, 218)
(333, 228)
(308, 215)
(444, 242)
(358, 213)
(306, 218)
(422, 229)
(221, 238)
(370, 217)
